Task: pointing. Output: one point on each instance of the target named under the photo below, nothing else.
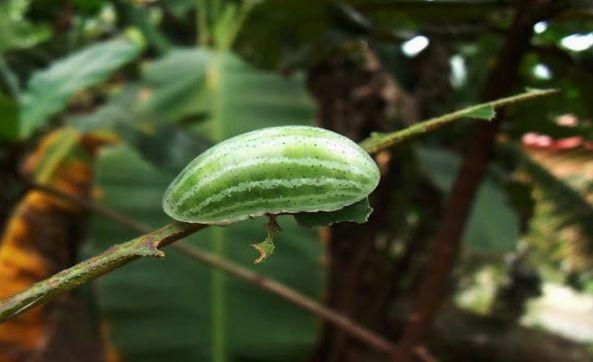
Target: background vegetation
(480, 247)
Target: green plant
(273, 171)
(159, 83)
(149, 244)
(280, 170)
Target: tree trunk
(355, 97)
(446, 243)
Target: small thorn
(266, 247)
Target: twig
(81, 273)
(148, 244)
(374, 144)
(291, 295)
(91, 206)
(283, 291)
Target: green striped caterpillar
(278, 170)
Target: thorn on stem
(266, 247)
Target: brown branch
(348, 325)
(92, 207)
(446, 242)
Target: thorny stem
(380, 142)
(283, 291)
(90, 269)
(291, 295)
(148, 244)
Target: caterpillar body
(277, 170)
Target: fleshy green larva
(276, 170)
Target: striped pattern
(271, 171)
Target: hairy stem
(148, 244)
(81, 273)
(380, 142)
(267, 284)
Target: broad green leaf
(182, 147)
(175, 83)
(120, 110)
(160, 309)
(358, 212)
(242, 98)
(234, 98)
(123, 115)
(493, 225)
(49, 90)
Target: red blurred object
(540, 141)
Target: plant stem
(267, 284)
(148, 244)
(81, 273)
(291, 295)
(380, 142)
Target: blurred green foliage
(167, 79)
(161, 310)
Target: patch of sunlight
(577, 42)
(541, 71)
(540, 27)
(415, 46)
(563, 311)
(479, 295)
(458, 71)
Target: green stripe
(312, 163)
(236, 152)
(258, 207)
(262, 171)
(270, 188)
(271, 170)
